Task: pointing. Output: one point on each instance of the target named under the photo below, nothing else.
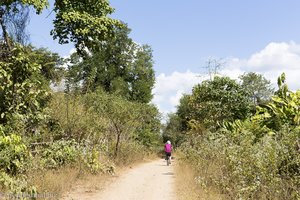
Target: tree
(283, 90)
(24, 67)
(85, 23)
(223, 99)
(148, 131)
(282, 109)
(183, 112)
(16, 23)
(259, 87)
(172, 130)
(20, 93)
(109, 66)
(51, 70)
(141, 75)
(122, 115)
(120, 66)
(10, 9)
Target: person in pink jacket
(168, 150)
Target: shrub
(13, 154)
(16, 186)
(60, 153)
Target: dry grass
(87, 185)
(68, 183)
(54, 182)
(187, 187)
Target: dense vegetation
(101, 117)
(241, 138)
(244, 153)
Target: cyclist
(168, 151)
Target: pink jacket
(168, 148)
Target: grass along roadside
(187, 186)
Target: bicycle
(168, 160)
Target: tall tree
(106, 66)
(21, 93)
(141, 75)
(84, 22)
(120, 66)
(9, 12)
(172, 130)
(223, 99)
(259, 87)
(183, 112)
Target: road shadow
(168, 174)
(165, 164)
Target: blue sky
(257, 35)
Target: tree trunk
(4, 30)
(117, 144)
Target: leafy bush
(258, 158)
(93, 165)
(245, 169)
(13, 154)
(60, 153)
(17, 186)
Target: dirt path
(149, 181)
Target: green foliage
(12, 5)
(76, 128)
(60, 153)
(141, 75)
(92, 163)
(283, 109)
(130, 152)
(254, 158)
(124, 117)
(51, 70)
(172, 131)
(213, 102)
(147, 132)
(258, 87)
(120, 66)
(242, 167)
(184, 110)
(17, 186)
(13, 154)
(105, 119)
(20, 94)
(282, 86)
(91, 160)
(84, 23)
(15, 11)
(75, 120)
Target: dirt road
(150, 181)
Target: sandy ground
(150, 181)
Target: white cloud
(271, 61)
(169, 89)
(276, 56)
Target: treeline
(88, 112)
(242, 139)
